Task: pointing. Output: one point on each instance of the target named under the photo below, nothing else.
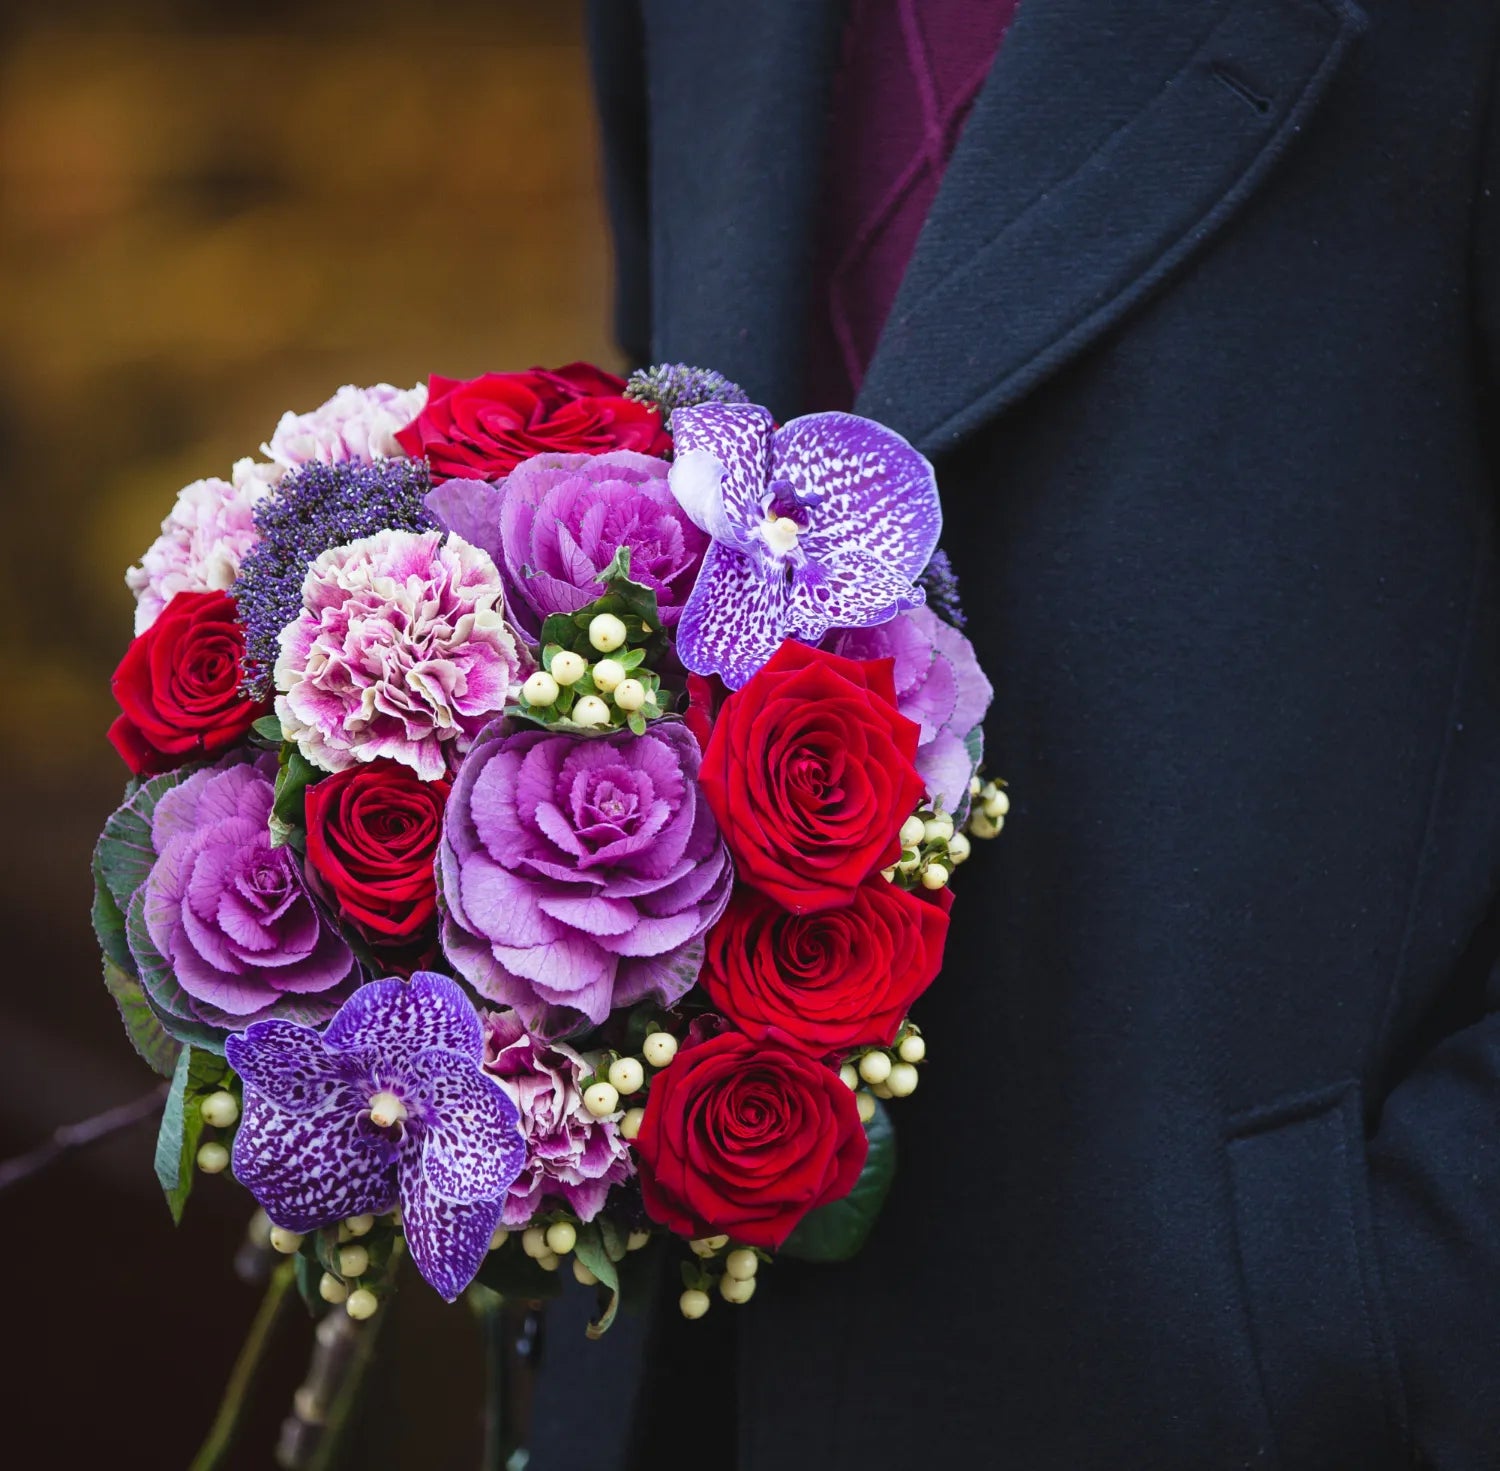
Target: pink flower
(200, 548)
(402, 650)
(355, 424)
(571, 1157)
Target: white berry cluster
(885, 1072)
(931, 849)
(988, 806)
(732, 1268)
(610, 691)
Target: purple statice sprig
(389, 1105)
(940, 582)
(313, 510)
(674, 386)
(823, 522)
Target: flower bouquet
(545, 794)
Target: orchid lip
(386, 1110)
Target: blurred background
(211, 212)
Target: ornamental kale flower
(401, 650)
(556, 521)
(673, 386)
(579, 874)
(228, 915)
(355, 424)
(389, 1106)
(822, 523)
(313, 510)
(572, 1158)
(202, 543)
(939, 684)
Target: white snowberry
(220, 1109)
(606, 632)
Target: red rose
(179, 686)
(833, 980)
(745, 1135)
(809, 772)
(372, 837)
(483, 428)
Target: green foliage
(593, 1250)
(142, 1025)
(197, 1074)
(514, 1275)
(294, 775)
(266, 732)
(836, 1232)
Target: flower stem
(220, 1439)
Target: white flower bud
(875, 1067)
(958, 847)
(636, 1240)
(975, 786)
(882, 1091)
(866, 1104)
(902, 1081)
(934, 876)
(630, 1125)
(910, 858)
(659, 1048)
(889, 874)
(627, 1075)
(997, 806)
(911, 831)
(213, 1158)
(362, 1304)
(708, 1245)
(938, 829)
(912, 1048)
(693, 1303)
(354, 1261)
(330, 1289)
(549, 1261)
(220, 1110)
(601, 1100)
(981, 826)
(630, 694)
(568, 667)
(540, 689)
(606, 632)
(360, 1225)
(590, 711)
(607, 674)
(286, 1242)
(534, 1242)
(742, 1263)
(736, 1289)
(849, 1075)
(562, 1237)
(498, 1238)
(583, 1275)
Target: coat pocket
(1312, 1284)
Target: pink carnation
(200, 548)
(355, 424)
(402, 650)
(572, 1158)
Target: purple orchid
(388, 1105)
(823, 523)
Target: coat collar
(1112, 139)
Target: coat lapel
(738, 110)
(1112, 139)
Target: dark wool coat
(1203, 336)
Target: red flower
(833, 980)
(745, 1135)
(372, 837)
(179, 686)
(809, 773)
(482, 428)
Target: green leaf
(513, 1274)
(142, 1025)
(196, 1075)
(268, 728)
(288, 810)
(593, 1252)
(835, 1232)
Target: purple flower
(571, 1157)
(939, 684)
(822, 523)
(579, 874)
(556, 521)
(401, 650)
(227, 913)
(388, 1106)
